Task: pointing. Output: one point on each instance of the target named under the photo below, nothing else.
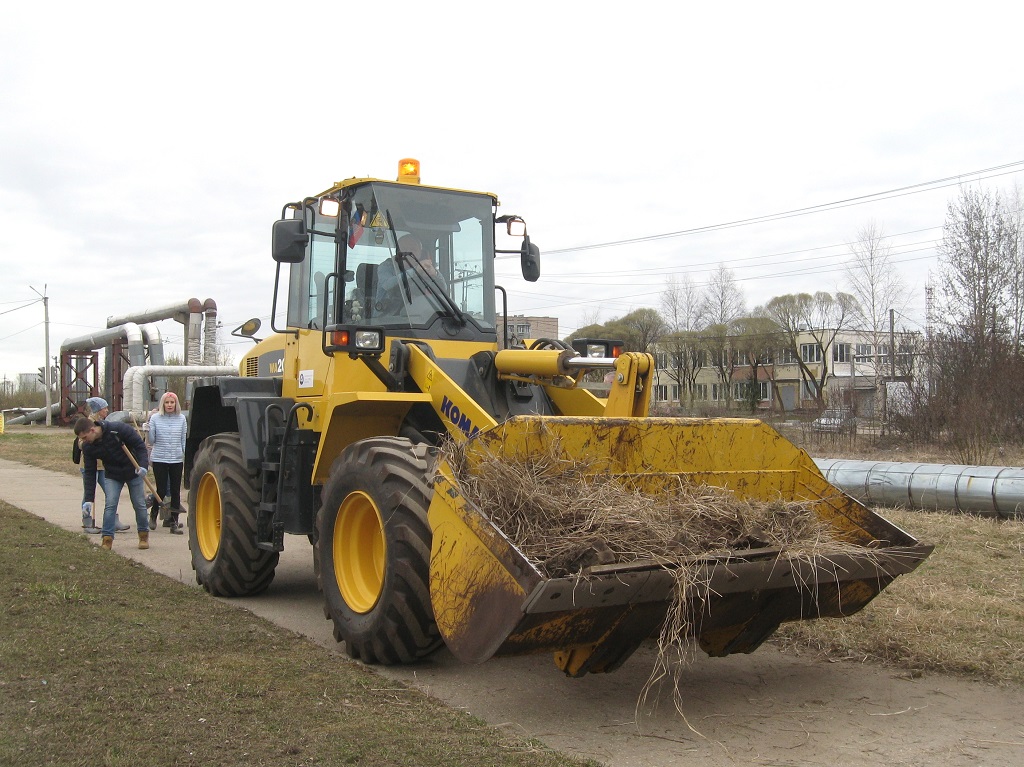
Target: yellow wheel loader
(388, 348)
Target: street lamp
(46, 369)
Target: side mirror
(514, 225)
(248, 329)
(289, 241)
(529, 256)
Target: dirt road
(766, 708)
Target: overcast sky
(146, 149)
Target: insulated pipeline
(987, 490)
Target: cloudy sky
(146, 149)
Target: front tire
(222, 499)
(374, 551)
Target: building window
(863, 353)
(741, 390)
(840, 352)
(787, 357)
(661, 360)
(522, 330)
(661, 393)
(904, 354)
(700, 392)
(810, 352)
(715, 393)
(675, 392)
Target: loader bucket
(488, 599)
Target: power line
(558, 300)
(30, 327)
(925, 186)
(33, 302)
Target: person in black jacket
(105, 441)
(97, 409)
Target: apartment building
(519, 326)
(851, 372)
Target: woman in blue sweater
(167, 430)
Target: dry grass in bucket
(566, 515)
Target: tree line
(965, 375)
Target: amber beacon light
(409, 170)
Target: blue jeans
(137, 493)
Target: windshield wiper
(404, 260)
(436, 289)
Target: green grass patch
(104, 662)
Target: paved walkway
(57, 498)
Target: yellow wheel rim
(207, 516)
(359, 552)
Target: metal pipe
(210, 332)
(179, 311)
(155, 347)
(986, 490)
(35, 415)
(136, 390)
(131, 332)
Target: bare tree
(721, 356)
(1015, 225)
(723, 300)
(590, 317)
(821, 317)
(880, 290)
(976, 259)
(975, 389)
(681, 303)
(755, 339)
(872, 280)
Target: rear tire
(222, 499)
(373, 541)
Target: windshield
(417, 254)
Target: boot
(89, 525)
(144, 540)
(175, 527)
(120, 526)
(107, 542)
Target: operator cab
(419, 256)
(414, 261)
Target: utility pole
(892, 344)
(47, 384)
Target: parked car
(835, 420)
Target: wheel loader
(385, 347)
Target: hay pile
(566, 516)
(569, 515)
